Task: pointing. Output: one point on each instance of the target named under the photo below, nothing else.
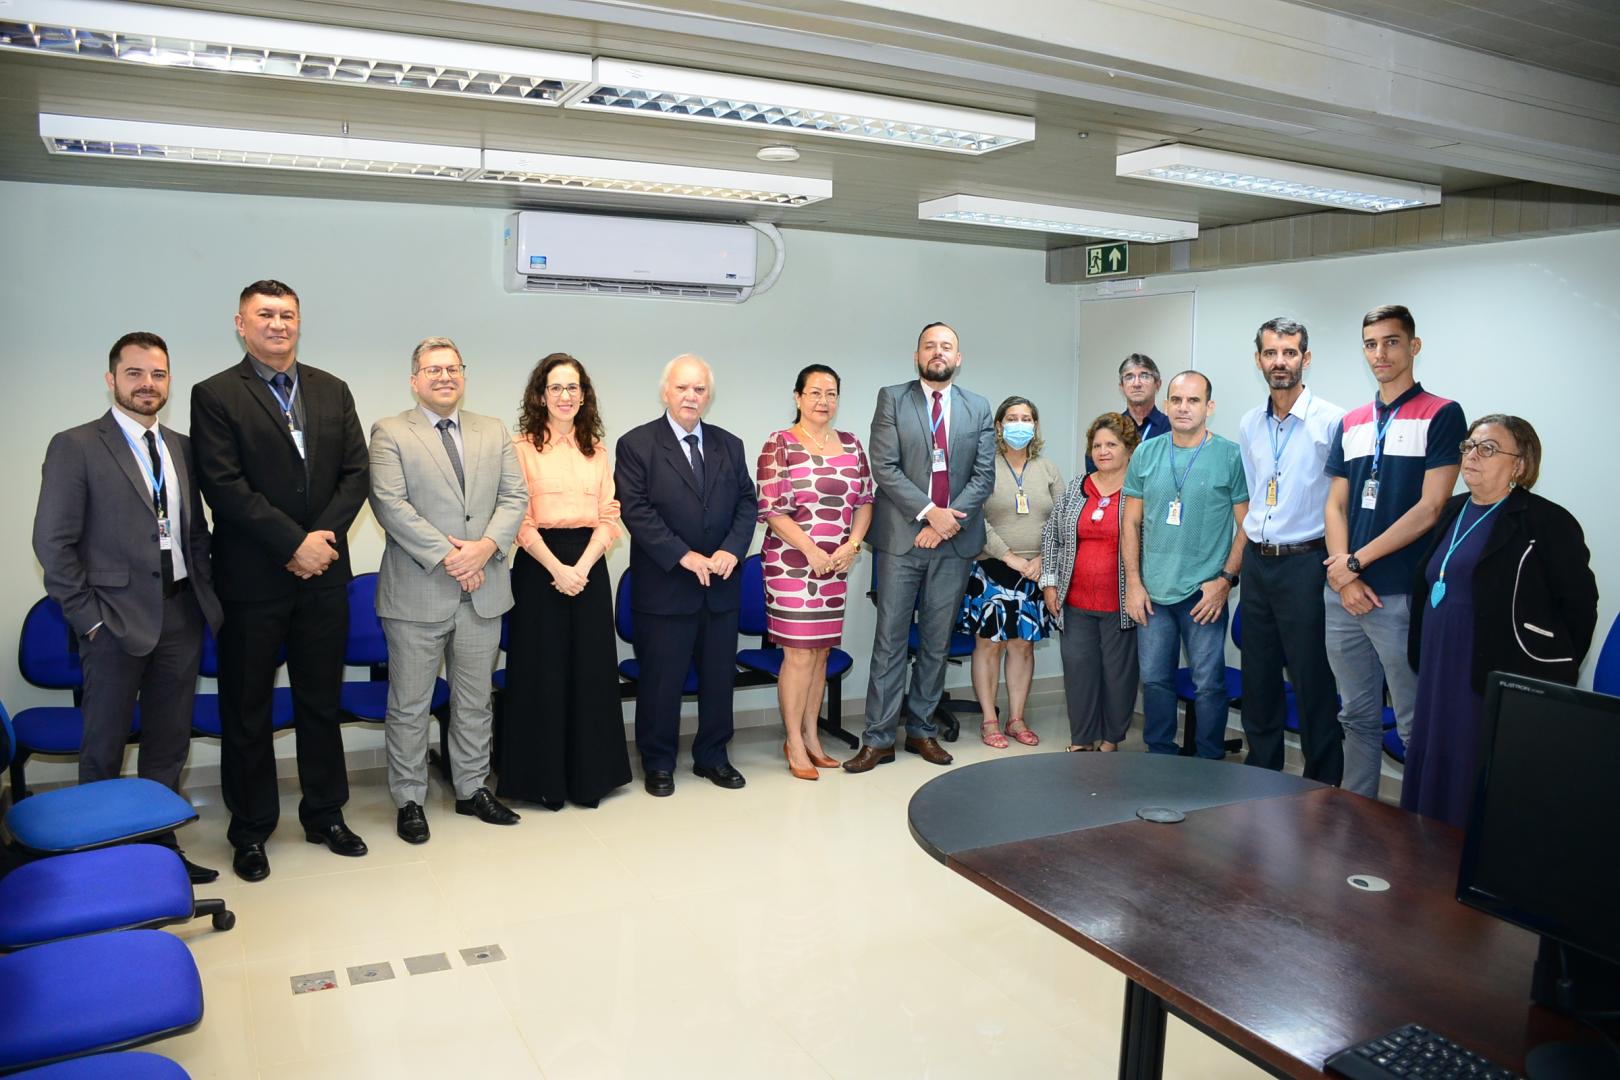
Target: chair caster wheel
(224, 920)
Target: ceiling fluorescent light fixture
(211, 41)
(90, 137)
(1038, 217)
(1218, 170)
(717, 98)
(650, 178)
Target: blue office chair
(1187, 694)
(498, 679)
(131, 1065)
(48, 657)
(90, 994)
(948, 714)
(766, 661)
(205, 708)
(1606, 673)
(624, 625)
(366, 647)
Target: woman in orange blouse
(562, 736)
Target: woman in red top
(1083, 581)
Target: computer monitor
(1542, 850)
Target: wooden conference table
(1240, 919)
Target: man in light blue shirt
(1285, 444)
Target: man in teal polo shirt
(1185, 498)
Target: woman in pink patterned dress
(815, 495)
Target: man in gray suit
(933, 456)
(121, 534)
(439, 478)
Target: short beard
(1291, 380)
(129, 404)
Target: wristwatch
(1352, 564)
(1230, 579)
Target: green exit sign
(1106, 260)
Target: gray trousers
(1100, 675)
(941, 579)
(1366, 653)
(467, 643)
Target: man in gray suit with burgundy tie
(447, 489)
(121, 534)
(933, 455)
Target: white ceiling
(1367, 85)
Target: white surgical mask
(1017, 433)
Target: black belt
(1319, 544)
(174, 589)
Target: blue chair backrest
(506, 631)
(751, 617)
(622, 620)
(45, 655)
(1606, 675)
(365, 645)
(8, 740)
(1237, 626)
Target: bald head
(687, 389)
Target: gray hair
(1283, 326)
(669, 370)
(427, 345)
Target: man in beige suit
(447, 489)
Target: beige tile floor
(789, 930)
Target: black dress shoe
(251, 863)
(660, 782)
(412, 824)
(485, 808)
(721, 775)
(199, 875)
(338, 838)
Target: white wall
(1530, 327)
(80, 266)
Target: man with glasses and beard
(1285, 444)
(121, 534)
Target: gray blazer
(418, 502)
(901, 455)
(95, 534)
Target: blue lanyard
(1437, 591)
(285, 403)
(1272, 429)
(933, 425)
(1018, 477)
(1143, 429)
(1188, 471)
(1378, 444)
(155, 480)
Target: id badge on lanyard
(297, 438)
(1174, 516)
(1369, 494)
(165, 534)
(939, 460)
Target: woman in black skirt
(563, 733)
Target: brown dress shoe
(927, 749)
(869, 758)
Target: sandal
(990, 734)
(1022, 733)
(1077, 747)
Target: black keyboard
(1414, 1053)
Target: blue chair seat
(96, 814)
(369, 700)
(1389, 718)
(54, 729)
(135, 1065)
(631, 669)
(82, 893)
(498, 680)
(1393, 745)
(111, 990)
(770, 661)
(205, 712)
(1186, 691)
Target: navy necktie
(697, 460)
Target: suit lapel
(471, 444)
(180, 490)
(259, 391)
(433, 445)
(112, 436)
(310, 393)
(676, 454)
(962, 437)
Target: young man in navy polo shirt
(1393, 463)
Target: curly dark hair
(532, 415)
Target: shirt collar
(944, 395)
(1302, 405)
(133, 429)
(680, 432)
(1381, 408)
(433, 418)
(266, 372)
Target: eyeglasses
(819, 396)
(1487, 450)
(439, 371)
(558, 389)
(1138, 376)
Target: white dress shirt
(135, 434)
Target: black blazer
(660, 505)
(1535, 597)
(263, 498)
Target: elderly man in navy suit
(687, 497)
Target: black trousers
(313, 625)
(562, 726)
(1282, 603)
(666, 646)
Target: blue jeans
(1368, 653)
(1159, 648)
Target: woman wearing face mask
(1507, 586)
(1003, 608)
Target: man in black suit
(121, 534)
(687, 497)
(282, 461)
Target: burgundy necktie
(939, 486)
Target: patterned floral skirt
(1001, 605)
